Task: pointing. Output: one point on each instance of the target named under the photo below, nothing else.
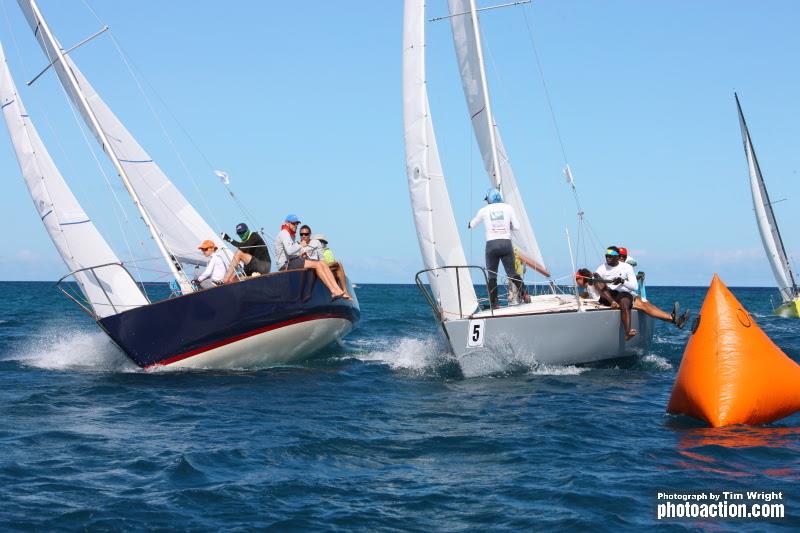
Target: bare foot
(346, 296)
(631, 334)
(614, 305)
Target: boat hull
(274, 319)
(789, 309)
(557, 338)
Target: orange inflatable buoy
(731, 372)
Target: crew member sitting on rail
(217, 265)
(620, 280)
(290, 256)
(252, 252)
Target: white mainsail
(437, 233)
(180, 226)
(465, 38)
(108, 290)
(765, 218)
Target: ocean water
(384, 433)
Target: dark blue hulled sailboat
(277, 318)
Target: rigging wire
(583, 223)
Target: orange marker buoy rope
(731, 372)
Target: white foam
(661, 363)
(548, 370)
(59, 349)
(409, 353)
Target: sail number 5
(475, 333)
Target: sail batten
(765, 218)
(107, 290)
(437, 233)
(466, 39)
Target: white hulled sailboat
(552, 328)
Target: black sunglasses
(305, 234)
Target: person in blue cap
(252, 252)
(499, 219)
(289, 255)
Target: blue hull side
(175, 329)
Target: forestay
(765, 217)
(469, 66)
(179, 224)
(109, 289)
(438, 237)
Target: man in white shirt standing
(498, 219)
(620, 280)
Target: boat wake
(74, 350)
(419, 355)
(430, 356)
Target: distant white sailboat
(553, 328)
(768, 228)
(277, 318)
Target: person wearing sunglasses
(289, 255)
(252, 253)
(312, 248)
(620, 281)
(216, 267)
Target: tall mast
(172, 262)
(484, 85)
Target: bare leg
(625, 314)
(338, 271)
(326, 276)
(239, 256)
(652, 310)
(605, 294)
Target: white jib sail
(477, 100)
(438, 237)
(109, 290)
(765, 218)
(179, 224)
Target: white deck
(544, 303)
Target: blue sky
(301, 104)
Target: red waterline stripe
(241, 336)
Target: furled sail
(110, 289)
(765, 217)
(469, 66)
(180, 226)
(438, 237)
